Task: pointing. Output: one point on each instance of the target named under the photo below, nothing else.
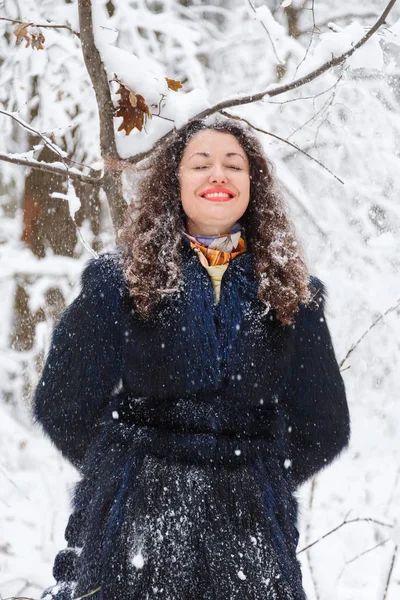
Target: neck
(208, 230)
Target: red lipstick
(229, 195)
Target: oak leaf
(38, 41)
(173, 84)
(132, 108)
(35, 40)
(22, 34)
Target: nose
(218, 174)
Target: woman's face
(214, 177)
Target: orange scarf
(211, 257)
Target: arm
(84, 363)
(314, 399)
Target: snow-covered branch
(282, 89)
(58, 168)
(40, 25)
(51, 145)
(281, 139)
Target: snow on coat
(191, 430)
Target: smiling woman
(194, 384)
(214, 178)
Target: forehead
(213, 142)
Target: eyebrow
(208, 154)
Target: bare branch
(345, 522)
(253, 8)
(43, 26)
(223, 112)
(349, 562)
(334, 62)
(53, 147)
(314, 28)
(281, 89)
(310, 97)
(347, 17)
(324, 108)
(56, 168)
(389, 577)
(112, 182)
(354, 346)
(308, 528)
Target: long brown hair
(151, 238)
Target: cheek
(187, 191)
(244, 187)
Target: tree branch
(281, 89)
(112, 180)
(56, 168)
(346, 17)
(253, 8)
(52, 146)
(349, 562)
(281, 139)
(354, 346)
(345, 522)
(389, 577)
(43, 26)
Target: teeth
(217, 195)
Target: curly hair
(152, 237)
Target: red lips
(218, 190)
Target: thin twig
(5, 472)
(389, 577)
(346, 17)
(253, 8)
(310, 564)
(53, 147)
(310, 97)
(345, 522)
(314, 27)
(347, 563)
(51, 168)
(43, 26)
(354, 346)
(281, 89)
(392, 493)
(223, 112)
(324, 107)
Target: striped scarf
(215, 252)
(218, 249)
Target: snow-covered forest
(334, 138)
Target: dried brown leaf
(173, 84)
(38, 41)
(22, 34)
(132, 108)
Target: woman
(194, 384)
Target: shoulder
(102, 282)
(318, 294)
(312, 313)
(104, 271)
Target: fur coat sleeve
(314, 399)
(83, 366)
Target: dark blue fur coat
(191, 431)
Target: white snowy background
(348, 119)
